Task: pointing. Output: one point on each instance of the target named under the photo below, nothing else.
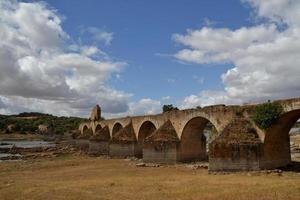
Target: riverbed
(12, 150)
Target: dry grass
(95, 178)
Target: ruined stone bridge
(178, 136)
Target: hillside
(29, 123)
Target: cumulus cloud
(145, 106)
(166, 98)
(101, 35)
(141, 107)
(265, 57)
(42, 71)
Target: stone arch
(116, 127)
(276, 151)
(193, 141)
(85, 128)
(97, 128)
(145, 130)
(86, 131)
(219, 121)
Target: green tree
(267, 114)
(169, 107)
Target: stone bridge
(178, 136)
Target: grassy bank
(95, 178)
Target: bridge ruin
(178, 136)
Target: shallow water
(25, 144)
(7, 157)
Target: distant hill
(32, 114)
(28, 122)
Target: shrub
(266, 114)
(170, 107)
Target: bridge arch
(116, 127)
(219, 120)
(84, 127)
(277, 140)
(147, 127)
(97, 128)
(193, 142)
(145, 130)
(86, 130)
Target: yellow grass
(95, 178)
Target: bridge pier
(99, 147)
(161, 153)
(99, 142)
(124, 143)
(123, 150)
(162, 145)
(82, 144)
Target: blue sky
(134, 56)
(143, 38)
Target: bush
(170, 107)
(267, 114)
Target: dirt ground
(83, 177)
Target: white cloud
(208, 22)
(101, 35)
(145, 106)
(141, 107)
(171, 80)
(40, 71)
(198, 79)
(166, 98)
(279, 11)
(209, 45)
(265, 57)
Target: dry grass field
(82, 177)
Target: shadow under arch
(85, 130)
(276, 151)
(193, 142)
(98, 128)
(146, 129)
(117, 127)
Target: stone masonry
(178, 136)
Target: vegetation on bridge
(169, 107)
(267, 114)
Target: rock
(140, 165)
(112, 184)
(152, 165)
(198, 166)
(133, 159)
